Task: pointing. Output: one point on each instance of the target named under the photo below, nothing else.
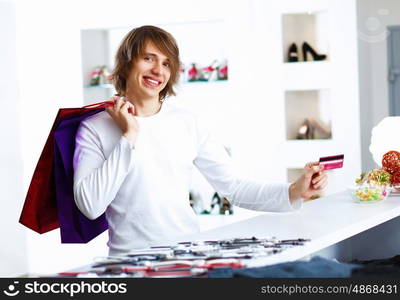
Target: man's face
(149, 74)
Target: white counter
(326, 221)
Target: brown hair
(133, 45)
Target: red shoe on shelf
(182, 70)
(95, 76)
(193, 73)
(222, 71)
(105, 75)
(210, 72)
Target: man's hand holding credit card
(332, 162)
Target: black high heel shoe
(308, 49)
(293, 54)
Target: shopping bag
(39, 212)
(74, 226)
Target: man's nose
(157, 67)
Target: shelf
(310, 108)
(195, 94)
(183, 85)
(306, 75)
(188, 83)
(100, 86)
(310, 27)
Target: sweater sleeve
(97, 178)
(216, 165)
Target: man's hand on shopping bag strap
(123, 115)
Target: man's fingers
(320, 184)
(118, 103)
(131, 108)
(321, 176)
(312, 168)
(315, 169)
(124, 106)
(128, 107)
(311, 164)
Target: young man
(134, 160)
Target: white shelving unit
(324, 90)
(307, 75)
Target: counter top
(326, 221)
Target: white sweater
(145, 190)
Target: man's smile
(151, 81)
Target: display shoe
(305, 131)
(321, 130)
(293, 54)
(313, 129)
(226, 207)
(308, 49)
(216, 201)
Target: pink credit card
(332, 162)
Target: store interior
(278, 83)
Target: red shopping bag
(39, 212)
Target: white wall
(373, 19)
(13, 259)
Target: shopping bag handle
(99, 105)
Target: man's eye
(167, 64)
(147, 58)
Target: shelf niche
(95, 52)
(308, 115)
(310, 27)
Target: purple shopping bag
(74, 226)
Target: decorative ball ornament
(391, 161)
(395, 179)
